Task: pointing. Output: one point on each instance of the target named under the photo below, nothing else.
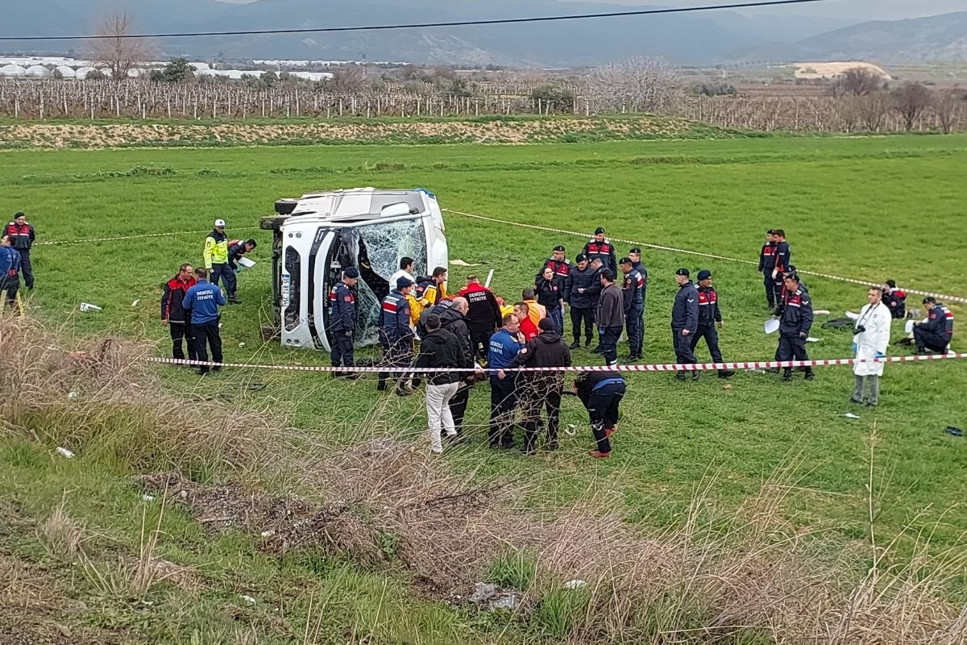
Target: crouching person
(601, 392)
(439, 349)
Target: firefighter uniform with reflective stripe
(795, 320)
(935, 334)
(708, 316)
(342, 324)
(632, 293)
(395, 334)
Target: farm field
(867, 208)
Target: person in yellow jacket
(216, 257)
(535, 311)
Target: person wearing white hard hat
(216, 257)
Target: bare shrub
(60, 534)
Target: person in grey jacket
(684, 322)
(610, 316)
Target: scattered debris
(72, 395)
(461, 263)
(727, 386)
(241, 344)
(571, 430)
(135, 303)
(65, 452)
(821, 312)
(147, 498)
(850, 415)
(86, 306)
(575, 584)
(490, 597)
(956, 432)
(810, 339)
(771, 326)
(268, 533)
(249, 599)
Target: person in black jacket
(22, 237)
(632, 293)
(454, 320)
(559, 264)
(684, 322)
(342, 321)
(709, 320)
(610, 316)
(767, 266)
(795, 320)
(551, 297)
(483, 314)
(601, 248)
(935, 333)
(236, 249)
(395, 335)
(439, 349)
(580, 293)
(601, 392)
(174, 316)
(540, 389)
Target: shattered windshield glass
(381, 247)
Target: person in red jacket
(527, 327)
(174, 316)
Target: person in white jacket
(871, 330)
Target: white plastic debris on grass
(147, 498)
(575, 584)
(86, 306)
(64, 452)
(72, 395)
(135, 303)
(813, 340)
(461, 263)
(821, 312)
(249, 599)
(771, 326)
(267, 534)
(850, 415)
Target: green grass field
(869, 208)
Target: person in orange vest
(535, 311)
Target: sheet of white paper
(245, 262)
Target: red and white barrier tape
(652, 367)
(133, 237)
(658, 247)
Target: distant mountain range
(696, 39)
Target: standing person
(601, 248)
(216, 253)
(173, 314)
(936, 331)
(871, 337)
(236, 249)
(632, 294)
(559, 264)
(483, 314)
(550, 297)
(430, 290)
(783, 259)
(527, 327)
(395, 334)
(541, 389)
(635, 255)
(795, 319)
(201, 303)
(595, 292)
(405, 271)
(10, 265)
(684, 322)
(601, 392)
(576, 294)
(503, 347)
(767, 267)
(709, 320)
(895, 299)
(610, 316)
(535, 311)
(22, 236)
(342, 321)
(454, 319)
(439, 349)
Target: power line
(424, 25)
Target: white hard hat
(219, 222)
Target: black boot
(726, 373)
(786, 374)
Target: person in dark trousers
(395, 335)
(610, 316)
(439, 349)
(454, 319)
(635, 255)
(483, 314)
(201, 303)
(783, 259)
(595, 291)
(795, 314)
(601, 392)
(632, 294)
(215, 254)
(550, 296)
(767, 267)
(342, 321)
(540, 389)
(559, 264)
(236, 249)
(684, 322)
(936, 332)
(580, 297)
(600, 247)
(22, 236)
(10, 265)
(895, 299)
(709, 320)
(503, 347)
(173, 314)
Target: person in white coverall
(871, 330)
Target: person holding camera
(871, 335)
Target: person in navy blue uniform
(395, 334)
(709, 320)
(635, 256)
(559, 264)
(684, 321)
(503, 347)
(632, 292)
(580, 293)
(936, 332)
(22, 236)
(601, 248)
(201, 303)
(10, 264)
(601, 392)
(767, 267)
(783, 257)
(342, 321)
(795, 314)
